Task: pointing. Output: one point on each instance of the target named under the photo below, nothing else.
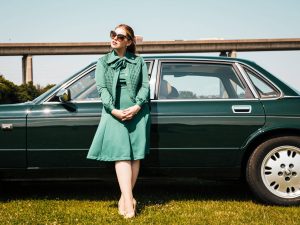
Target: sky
(91, 21)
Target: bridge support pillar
(232, 54)
(27, 73)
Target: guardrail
(225, 47)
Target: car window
(200, 81)
(84, 89)
(264, 89)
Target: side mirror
(64, 95)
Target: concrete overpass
(225, 47)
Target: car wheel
(273, 171)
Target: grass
(168, 202)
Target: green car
(211, 117)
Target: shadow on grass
(147, 192)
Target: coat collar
(113, 56)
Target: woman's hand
(119, 114)
(130, 112)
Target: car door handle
(241, 108)
(6, 126)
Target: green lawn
(168, 202)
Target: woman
(124, 129)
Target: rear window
(264, 88)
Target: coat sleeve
(105, 96)
(143, 94)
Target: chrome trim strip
(12, 149)
(85, 149)
(57, 149)
(87, 101)
(63, 178)
(167, 100)
(285, 117)
(244, 75)
(195, 60)
(152, 81)
(12, 118)
(150, 65)
(235, 148)
(84, 101)
(283, 97)
(203, 116)
(82, 116)
(158, 78)
(205, 100)
(288, 96)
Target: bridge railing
(225, 47)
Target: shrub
(12, 93)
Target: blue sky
(91, 21)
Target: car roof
(195, 57)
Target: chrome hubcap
(280, 171)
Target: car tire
(273, 171)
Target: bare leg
(135, 166)
(124, 175)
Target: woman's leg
(135, 166)
(124, 175)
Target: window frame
(202, 61)
(74, 79)
(150, 68)
(245, 67)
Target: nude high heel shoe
(121, 212)
(129, 215)
(134, 205)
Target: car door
(13, 135)
(204, 112)
(59, 134)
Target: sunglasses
(120, 37)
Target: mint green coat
(137, 81)
(114, 139)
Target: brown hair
(130, 34)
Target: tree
(8, 91)
(11, 93)
(27, 92)
(187, 94)
(47, 87)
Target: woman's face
(117, 43)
